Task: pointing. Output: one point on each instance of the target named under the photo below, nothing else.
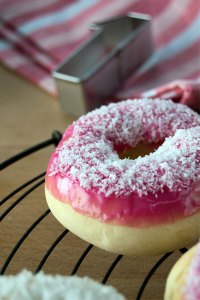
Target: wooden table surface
(27, 117)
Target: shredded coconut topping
(192, 288)
(26, 286)
(87, 153)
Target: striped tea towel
(35, 36)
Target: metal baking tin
(95, 71)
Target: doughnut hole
(141, 149)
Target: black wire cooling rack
(28, 187)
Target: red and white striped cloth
(35, 36)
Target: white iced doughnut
(27, 286)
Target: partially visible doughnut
(183, 282)
(27, 286)
(127, 205)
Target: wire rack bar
(80, 260)
(150, 274)
(50, 250)
(21, 240)
(153, 270)
(20, 199)
(183, 250)
(20, 188)
(24, 153)
(111, 268)
(56, 137)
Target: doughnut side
(124, 239)
(176, 278)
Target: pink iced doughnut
(145, 205)
(183, 282)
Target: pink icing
(191, 290)
(86, 170)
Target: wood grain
(28, 116)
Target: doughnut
(100, 186)
(27, 286)
(183, 282)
